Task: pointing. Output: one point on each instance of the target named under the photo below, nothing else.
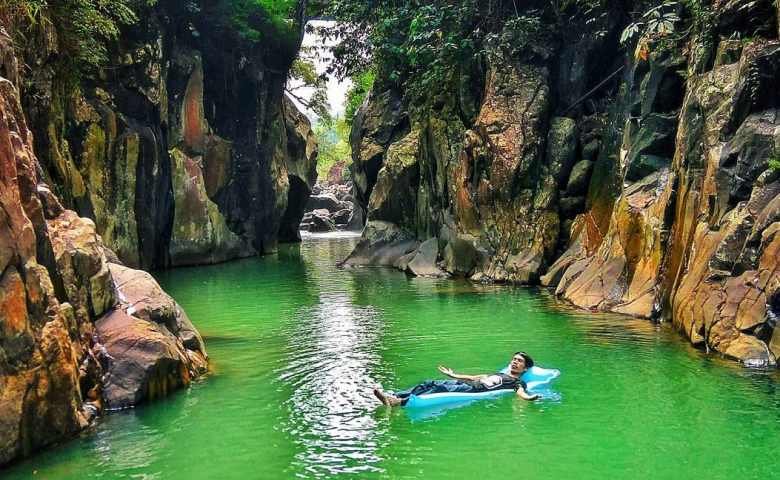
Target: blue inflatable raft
(535, 378)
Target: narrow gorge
(622, 156)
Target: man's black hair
(529, 362)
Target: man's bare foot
(386, 398)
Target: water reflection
(333, 358)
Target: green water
(296, 345)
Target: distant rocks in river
(331, 208)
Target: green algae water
(296, 345)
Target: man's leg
(431, 386)
(436, 386)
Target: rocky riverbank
(642, 182)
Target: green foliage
(333, 142)
(666, 24)
(252, 20)
(303, 76)
(84, 28)
(774, 162)
(658, 21)
(422, 45)
(361, 85)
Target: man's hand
(446, 371)
(525, 396)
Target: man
(521, 362)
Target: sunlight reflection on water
(333, 351)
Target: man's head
(521, 362)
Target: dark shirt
(497, 381)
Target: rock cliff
(643, 182)
(79, 332)
(181, 149)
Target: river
(296, 345)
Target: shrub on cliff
(82, 29)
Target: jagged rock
(652, 146)
(81, 265)
(152, 346)
(200, 233)
(686, 232)
(144, 362)
(729, 52)
(301, 161)
(342, 216)
(55, 283)
(579, 178)
(561, 147)
(460, 256)
(356, 220)
(180, 135)
(571, 206)
(40, 337)
(380, 121)
(423, 260)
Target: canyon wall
(79, 332)
(181, 149)
(644, 182)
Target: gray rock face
(383, 244)
(320, 222)
(332, 208)
(325, 201)
(579, 178)
(423, 262)
(379, 122)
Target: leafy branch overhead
(423, 45)
(308, 87)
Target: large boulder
(321, 222)
(151, 345)
(326, 201)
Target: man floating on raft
(466, 387)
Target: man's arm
(525, 396)
(458, 376)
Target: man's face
(518, 363)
